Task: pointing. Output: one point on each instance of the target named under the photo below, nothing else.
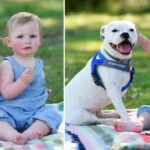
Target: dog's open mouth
(124, 47)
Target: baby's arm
(9, 88)
(144, 42)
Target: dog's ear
(102, 30)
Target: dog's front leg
(112, 79)
(116, 99)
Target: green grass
(82, 40)
(51, 50)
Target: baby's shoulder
(5, 65)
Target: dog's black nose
(125, 35)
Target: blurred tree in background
(119, 6)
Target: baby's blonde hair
(22, 18)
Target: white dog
(104, 79)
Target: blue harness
(100, 59)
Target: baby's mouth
(124, 47)
(27, 48)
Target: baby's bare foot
(128, 126)
(37, 130)
(19, 139)
(34, 135)
(39, 135)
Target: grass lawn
(82, 40)
(51, 50)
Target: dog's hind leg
(108, 121)
(109, 114)
(82, 117)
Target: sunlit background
(83, 22)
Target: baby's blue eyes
(31, 36)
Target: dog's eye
(131, 30)
(114, 30)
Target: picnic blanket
(50, 142)
(102, 137)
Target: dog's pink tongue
(124, 48)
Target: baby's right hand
(27, 76)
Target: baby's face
(24, 39)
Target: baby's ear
(7, 41)
(102, 32)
